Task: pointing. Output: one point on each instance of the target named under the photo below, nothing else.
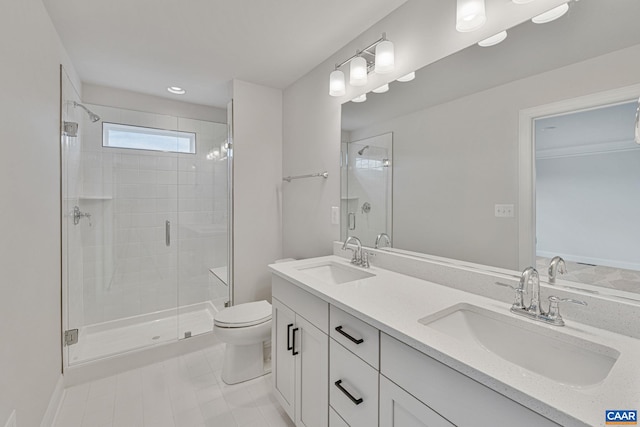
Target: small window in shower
(142, 138)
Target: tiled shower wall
(128, 269)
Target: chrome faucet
(531, 280)
(380, 237)
(556, 265)
(357, 253)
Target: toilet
(244, 328)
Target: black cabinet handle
(293, 345)
(342, 389)
(289, 346)
(357, 341)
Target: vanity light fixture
(551, 15)
(382, 89)
(493, 40)
(360, 98)
(358, 71)
(337, 85)
(176, 90)
(470, 15)
(381, 60)
(407, 77)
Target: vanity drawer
(353, 387)
(354, 334)
(335, 420)
(309, 306)
(453, 395)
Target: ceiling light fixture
(551, 15)
(382, 89)
(493, 40)
(407, 77)
(360, 98)
(470, 15)
(364, 61)
(521, 1)
(176, 90)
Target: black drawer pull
(293, 345)
(357, 341)
(342, 389)
(289, 346)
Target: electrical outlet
(335, 215)
(504, 211)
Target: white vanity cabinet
(456, 397)
(300, 354)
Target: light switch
(335, 215)
(504, 211)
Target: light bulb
(493, 40)
(551, 15)
(382, 89)
(337, 86)
(408, 77)
(470, 15)
(360, 98)
(358, 71)
(384, 57)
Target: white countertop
(394, 302)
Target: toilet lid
(241, 315)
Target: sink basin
(335, 273)
(563, 358)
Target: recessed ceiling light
(382, 89)
(360, 98)
(176, 90)
(493, 40)
(551, 15)
(408, 77)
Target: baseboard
(54, 404)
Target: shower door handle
(167, 233)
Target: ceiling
(589, 29)
(200, 45)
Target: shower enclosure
(367, 185)
(144, 227)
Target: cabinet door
(312, 375)
(399, 409)
(283, 362)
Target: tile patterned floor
(599, 275)
(185, 391)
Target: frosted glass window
(142, 138)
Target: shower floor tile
(184, 391)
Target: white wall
(588, 208)
(101, 95)
(478, 161)
(30, 328)
(257, 186)
(423, 31)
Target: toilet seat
(243, 315)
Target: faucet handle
(554, 308)
(518, 302)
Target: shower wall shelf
(324, 174)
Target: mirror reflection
(456, 172)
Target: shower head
(362, 151)
(92, 116)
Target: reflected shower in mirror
(457, 134)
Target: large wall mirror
(462, 167)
